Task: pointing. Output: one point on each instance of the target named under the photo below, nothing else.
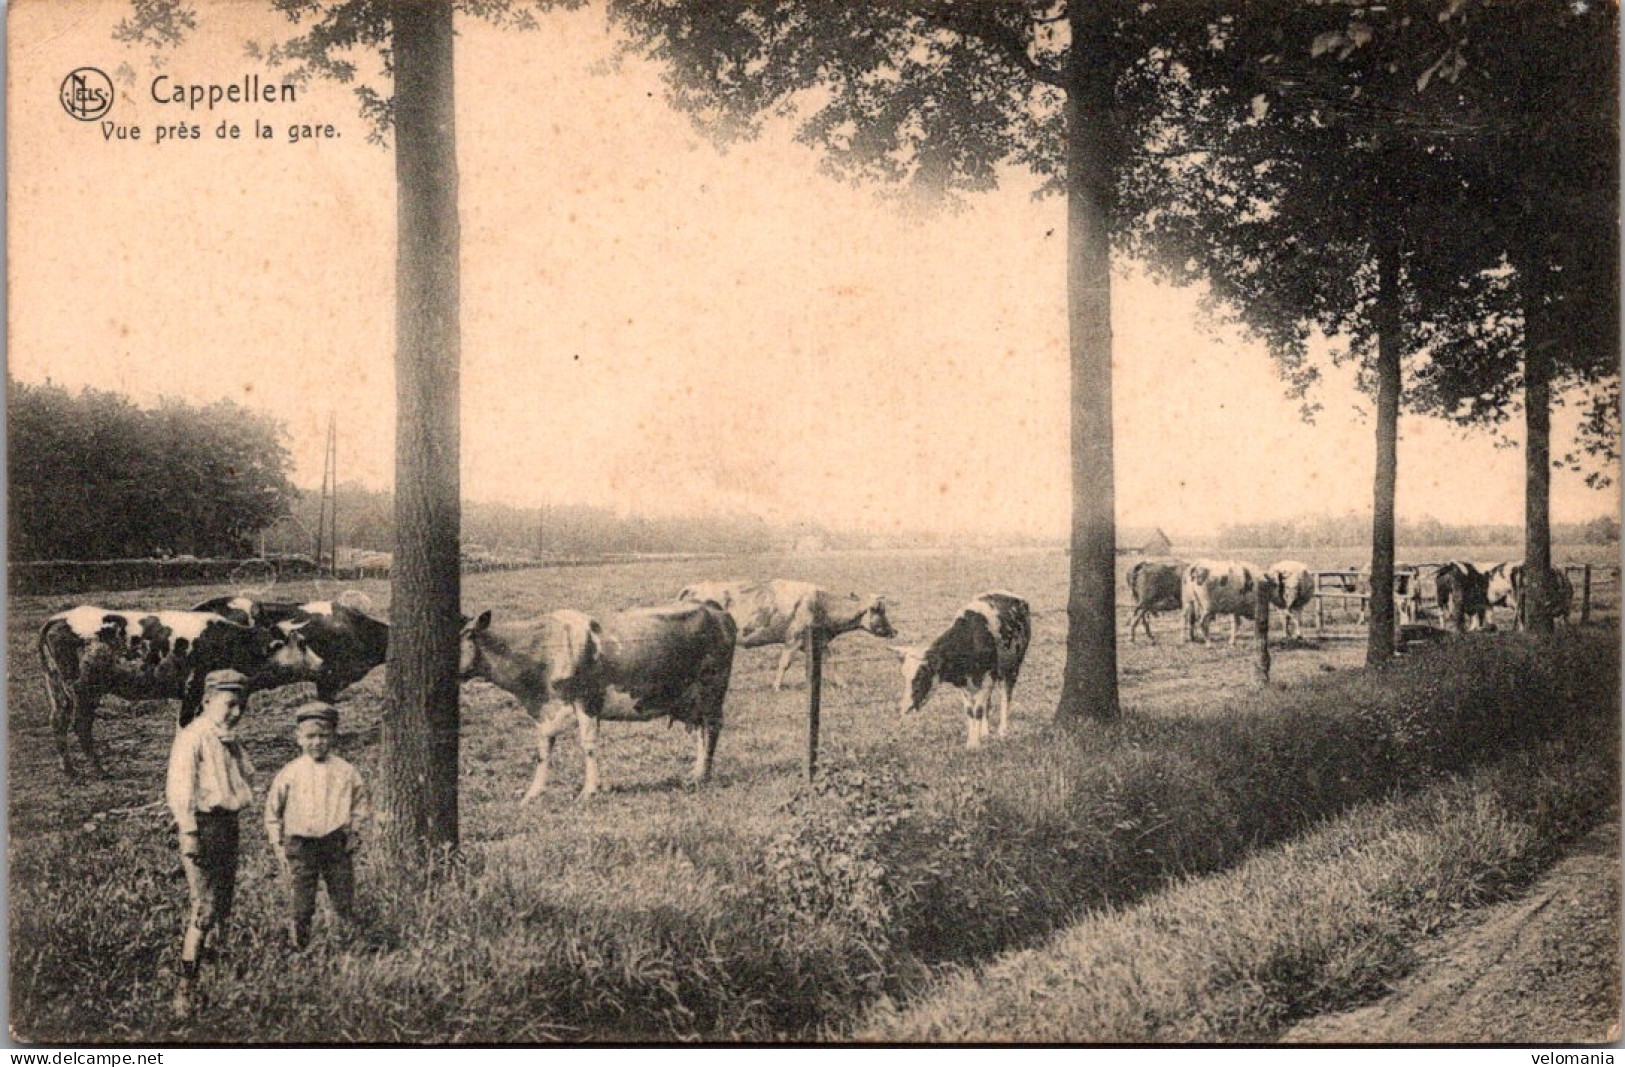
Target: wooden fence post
(1261, 626)
(815, 685)
(1585, 594)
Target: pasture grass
(1321, 923)
(754, 907)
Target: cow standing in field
(634, 666)
(1461, 591)
(782, 612)
(1408, 596)
(347, 644)
(1155, 586)
(1560, 589)
(89, 653)
(1220, 587)
(1292, 585)
(980, 652)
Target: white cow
(1293, 589)
(781, 612)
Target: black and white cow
(647, 663)
(981, 652)
(1461, 591)
(89, 653)
(1155, 587)
(348, 643)
(1560, 590)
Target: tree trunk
(1537, 515)
(1089, 685)
(420, 722)
(1379, 646)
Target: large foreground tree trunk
(419, 774)
(1379, 646)
(1537, 518)
(1089, 685)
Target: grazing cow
(1220, 587)
(1292, 588)
(1408, 596)
(347, 643)
(781, 612)
(1498, 591)
(1560, 590)
(634, 666)
(1461, 591)
(981, 651)
(89, 653)
(1155, 586)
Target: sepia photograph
(835, 523)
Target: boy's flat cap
(227, 681)
(316, 711)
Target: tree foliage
(92, 476)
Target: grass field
(749, 907)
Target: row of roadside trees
(92, 476)
(1428, 183)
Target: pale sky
(648, 323)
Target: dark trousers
(211, 876)
(325, 859)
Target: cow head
(284, 654)
(919, 676)
(470, 658)
(874, 619)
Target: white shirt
(310, 799)
(208, 771)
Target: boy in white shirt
(207, 785)
(313, 816)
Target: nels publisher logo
(87, 94)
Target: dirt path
(1542, 969)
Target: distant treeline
(94, 477)
(1353, 529)
(366, 520)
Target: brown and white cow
(1292, 588)
(1155, 585)
(647, 663)
(1220, 587)
(89, 653)
(781, 612)
(980, 652)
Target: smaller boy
(313, 816)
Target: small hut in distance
(1143, 541)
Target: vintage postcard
(655, 521)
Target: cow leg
(1143, 619)
(588, 725)
(1235, 624)
(63, 708)
(84, 721)
(1006, 691)
(705, 747)
(784, 664)
(548, 726)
